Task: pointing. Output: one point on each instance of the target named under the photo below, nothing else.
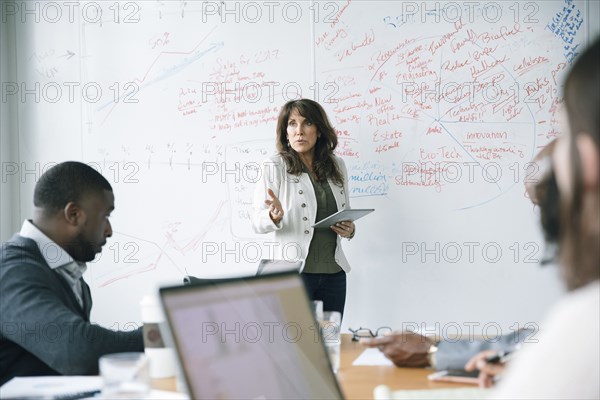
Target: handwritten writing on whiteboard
(49, 63)
(450, 109)
(235, 92)
(368, 179)
(441, 111)
(565, 25)
(242, 169)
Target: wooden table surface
(358, 382)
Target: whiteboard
(438, 110)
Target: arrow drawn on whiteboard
(167, 72)
(68, 54)
(184, 64)
(195, 56)
(48, 64)
(164, 53)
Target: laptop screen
(250, 338)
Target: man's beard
(85, 251)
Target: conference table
(358, 382)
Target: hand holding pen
(491, 364)
(500, 357)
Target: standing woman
(304, 183)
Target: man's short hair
(67, 182)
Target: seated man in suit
(45, 304)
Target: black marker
(500, 357)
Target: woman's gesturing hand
(275, 209)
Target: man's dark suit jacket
(43, 329)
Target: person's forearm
(454, 355)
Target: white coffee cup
(162, 358)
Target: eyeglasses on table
(367, 333)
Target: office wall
(438, 112)
(9, 204)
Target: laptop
(266, 266)
(249, 338)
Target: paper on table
(52, 386)
(49, 386)
(372, 357)
(382, 392)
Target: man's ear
(590, 164)
(72, 213)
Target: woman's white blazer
(297, 196)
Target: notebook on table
(249, 338)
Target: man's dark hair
(67, 182)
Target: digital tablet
(274, 266)
(351, 214)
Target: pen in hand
(500, 357)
